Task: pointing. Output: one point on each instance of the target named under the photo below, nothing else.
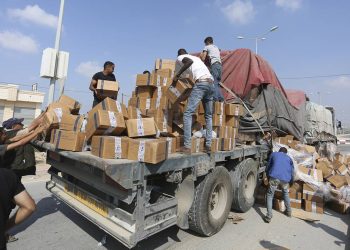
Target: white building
(19, 103)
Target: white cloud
(341, 82)
(289, 4)
(88, 68)
(17, 41)
(34, 14)
(239, 11)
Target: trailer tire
(244, 181)
(212, 202)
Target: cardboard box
(234, 109)
(103, 122)
(279, 205)
(316, 174)
(215, 144)
(224, 132)
(285, 140)
(171, 146)
(180, 91)
(51, 119)
(73, 105)
(142, 103)
(71, 122)
(291, 194)
(232, 121)
(107, 88)
(197, 145)
(165, 64)
(218, 120)
(312, 193)
(314, 207)
(339, 206)
(342, 170)
(68, 140)
(109, 104)
(141, 127)
(345, 159)
(325, 167)
(179, 142)
(136, 113)
(164, 120)
(110, 147)
(337, 180)
(295, 203)
(218, 108)
(227, 144)
(151, 80)
(165, 73)
(297, 187)
(145, 91)
(148, 150)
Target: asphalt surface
(55, 226)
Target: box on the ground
(294, 197)
(68, 140)
(180, 91)
(345, 159)
(339, 206)
(234, 109)
(103, 122)
(279, 205)
(197, 145)
(297, 187)
(73, 105)
(165, 64)
(316, 174)
(142, 103)
(111, 105)
(143, 127)
(227, 144)
(232, 121)
(71, 122)
(171, 144)
(215, 144)
(312, 193)
(325, 166)
(145, 91)
(110, 147)
(218, 120)
(337, 180)
(148, 150)
(314, 207)
(107, 88)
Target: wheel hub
(218, 200)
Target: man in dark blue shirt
(280, 172)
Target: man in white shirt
(212, 52)
(203, 90)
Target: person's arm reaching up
(203, 55)
(26, 139)
(187, 63)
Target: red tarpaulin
(243, 70)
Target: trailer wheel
(212, 202)
(244, 180)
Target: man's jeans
(273, 185)
(216, 70)
(201, 92)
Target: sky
(309, 51)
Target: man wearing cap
(212, 52)
(202, 90)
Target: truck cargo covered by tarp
(245, 73)
(318, 120)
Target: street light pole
(57, 47)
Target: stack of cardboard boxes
(309, 197)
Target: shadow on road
(51, 204)
(271, 246)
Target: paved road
(56, 226)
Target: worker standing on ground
(203, 90)
(106, 74)
(280, 172)
(212, 53)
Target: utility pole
(57, 48)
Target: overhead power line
(315, 76)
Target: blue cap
(12, 121)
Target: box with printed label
(71, 122)
(215, 144)
(234, 109)
(294, 197)
(227, 144)
(232, 121)
(197, 145)
(312, 193)
(110, 147)
(149, 79)
(142, 103)
(316, 174)
(218, 120)
(68, 140)
(103, 122)
(160, 91)
(171, 146)
(224, 132)
(107, 88)
(73, 105)
(314, 207)
(284, 140)
(135, 113)
(164, 120)
(180, 91)
(148, 150)
(141, 127)
(111, 105)
(145, 91)
(165, 64)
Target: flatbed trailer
(131, 200)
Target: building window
(1, 114)
(27, 113)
